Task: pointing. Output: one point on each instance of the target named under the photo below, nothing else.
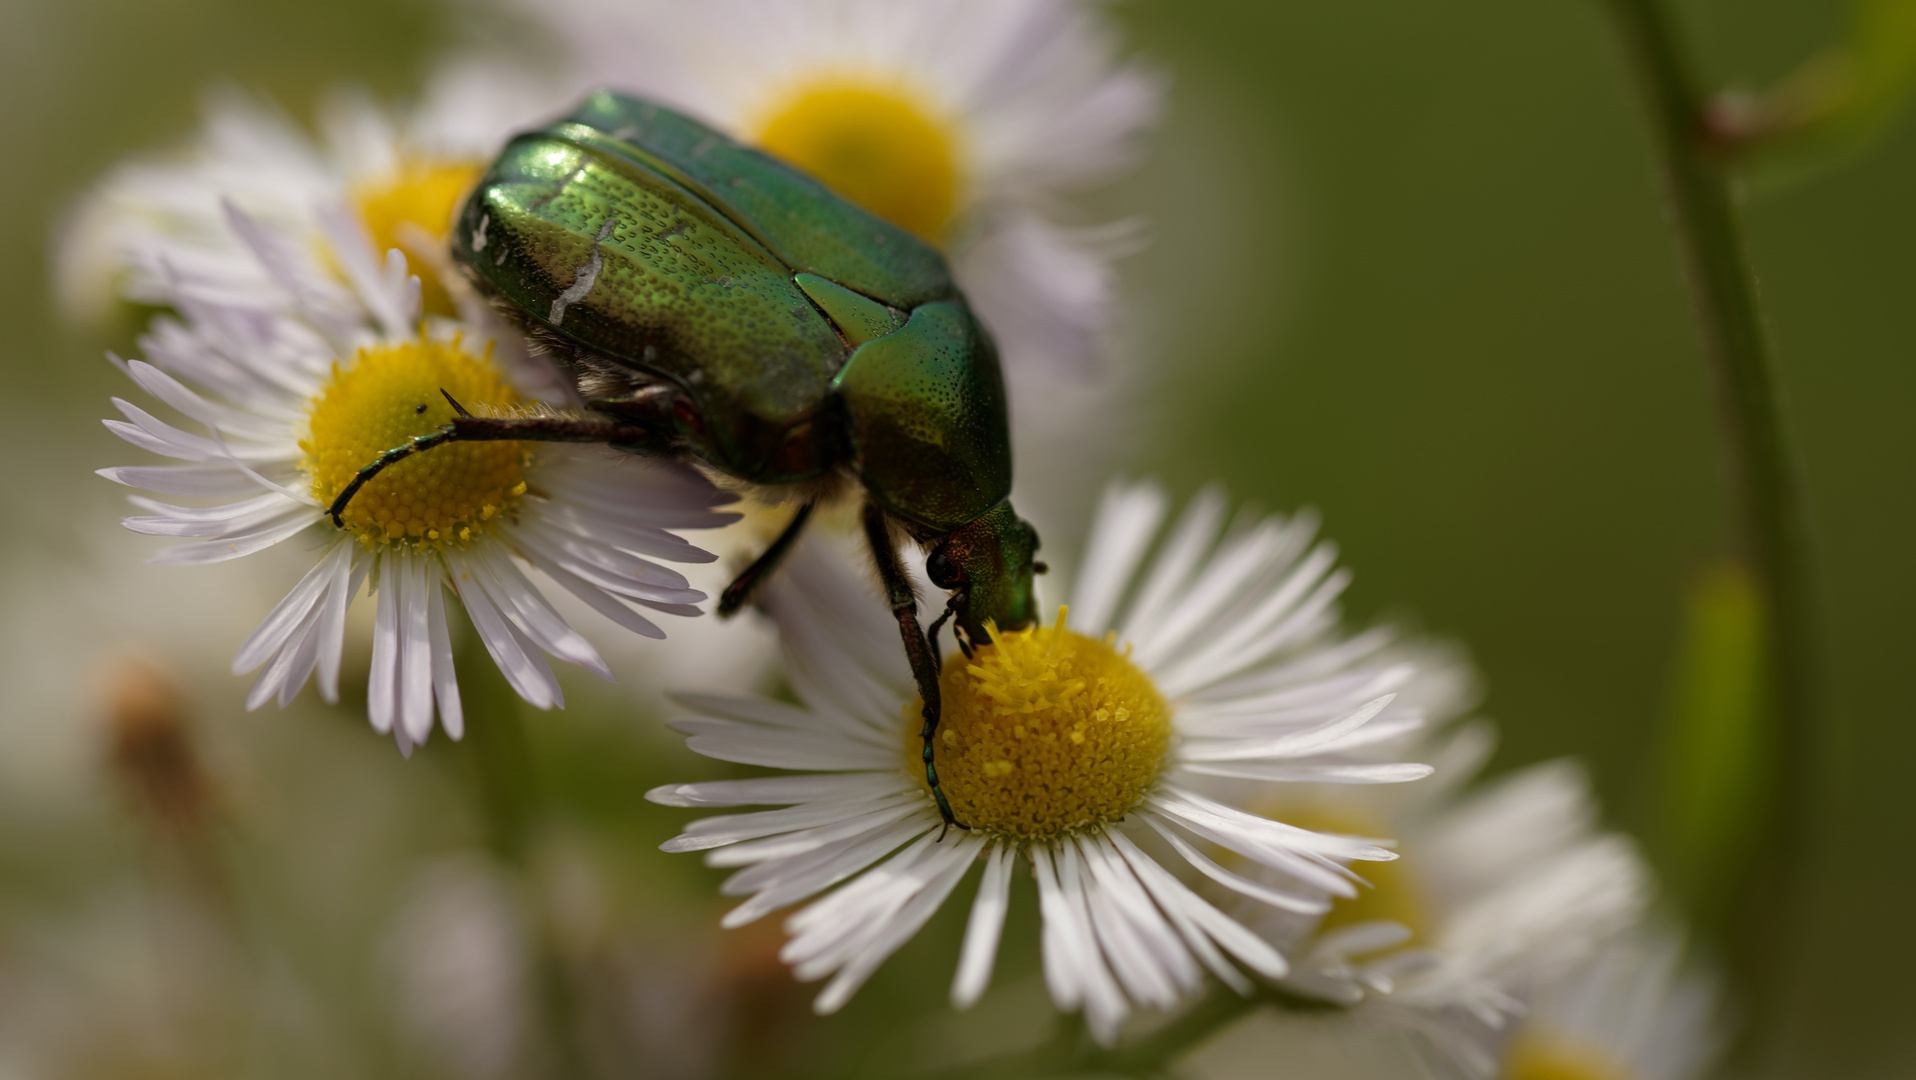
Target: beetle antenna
(931, 635)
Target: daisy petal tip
(964, 997)
(669, 795)
(833, 998)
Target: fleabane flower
(294, 398)
(965, 121)
(156, 226)
(1498, 889)
(1633, 1011)
(1074, 747)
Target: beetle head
(987, 563)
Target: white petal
(214, 480)
(347, 571)
(944, 870)
(1105, 1006)
(779, 847)
(1187, 544)
(777, 884)
(822, 751)
(382, 684)
(768, 790)
(273, 631)
(983, 930)
(1236, 882)
(1144, 950)
(711, 832)
(1126, 521)
(1312, 740)
(445, 679)
(1232, 935)
(531, 677)
(295, 520)
(415, 645)
(1172, 903)
(1394, 773)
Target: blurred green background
(1411, 266)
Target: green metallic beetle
(710, 302)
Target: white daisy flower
(157, 225)
(1632, 1012)
(965, 121)
(1496, 890)
(1073, 747)
(296, 397)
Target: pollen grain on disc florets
(388, 394)
(1047, 732)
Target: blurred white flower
(1631, 1012)
(1076, 748)
(1497, 889)
(460, 960)
(965, 121)
(298, 395)
(156, 226)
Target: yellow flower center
(1543, 1058)
(1393, 893)
(1045, 731)
(387, 395)
(874, 141)
(413, 209)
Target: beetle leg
(904, 607)
(469, 428)
(742, 588)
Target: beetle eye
(942, 571)
(1040, 568)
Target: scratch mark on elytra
(588, 276)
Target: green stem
(1771, 530)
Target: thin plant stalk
(1771, 526)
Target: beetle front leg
(745, 586)
(924, 668)
(469, 428)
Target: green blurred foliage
(1834, 105)
(1411, 267)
